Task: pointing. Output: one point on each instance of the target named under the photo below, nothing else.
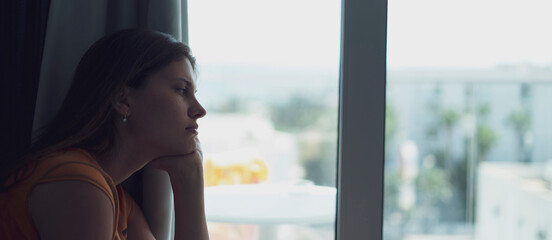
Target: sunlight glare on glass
(266, 32)
(468, 33)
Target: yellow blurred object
(251, 172)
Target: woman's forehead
(179, 70)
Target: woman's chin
(185, 151)
(182, 148)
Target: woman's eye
(183, 91)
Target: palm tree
(520, 121)
(486, 139)
(449, 119)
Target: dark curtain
(23, 25)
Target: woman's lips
(192, 130)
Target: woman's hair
(86, 116)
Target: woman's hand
(189, 164)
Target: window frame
(361, 120)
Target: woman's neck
(121, 162)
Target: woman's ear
(121, 102)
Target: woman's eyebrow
(188, 83)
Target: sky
(283, 32)
(469, 33)
(421, 33)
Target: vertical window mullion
(362, 118)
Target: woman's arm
(187, 185)
(186, 176)
(71, 210)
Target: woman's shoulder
(67, 156)
(65, 209)
(58, 165)
(73, 164)
(68, 179)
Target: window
(467, 136)
(269, 79)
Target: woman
(131, 103)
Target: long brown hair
(85, 118)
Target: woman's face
(163, 114)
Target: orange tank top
(70, 164)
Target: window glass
(268, 78)
(469, 87)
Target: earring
(125, 119)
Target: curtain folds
(72, 27)
(24, 26)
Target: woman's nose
(197, 111)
